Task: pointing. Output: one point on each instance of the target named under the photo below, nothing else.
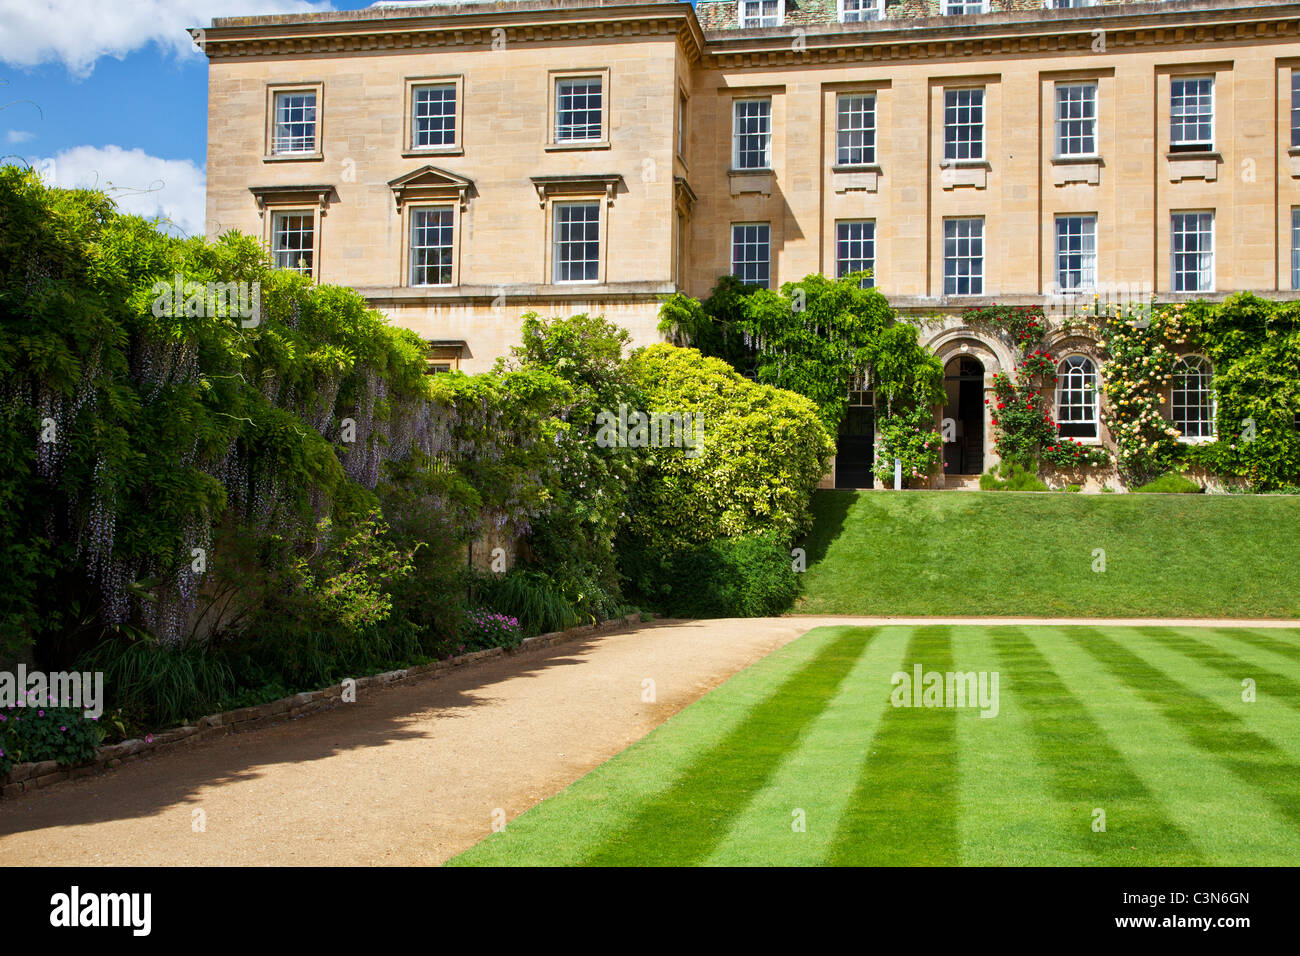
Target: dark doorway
(855, 451)
(964, 384)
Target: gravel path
(409, 774)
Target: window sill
(1294, 154)
(293, 157)
(434, 151)
(1199, 164)
(860, 178)
(744, 181)
(1076, 169)
(577, 144)
(964, 172)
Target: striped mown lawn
(803, 760)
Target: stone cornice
(467, 26)
(1076, 29)
(479, 25)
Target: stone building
(463, 163)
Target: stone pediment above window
(580, 184)
(683, 194)
(318, 196)
(428, 183)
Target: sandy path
(408, 774)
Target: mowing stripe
(816, 777)
(682, 825)
(1279, 687)
(1268, 640)
(1086, 771)
(904, 807)
(1229, 823)
(1010, 814)
(1255, 760)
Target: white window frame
(1086, 251)
(277, 217)
(864, 245)
(562, 134)
(951, 234)
(279, 151)
(1190, 145)
(415, 212)
(1088, 102)
(977, 155)
(1206, 281)
(737, 136)
(762, 19)
(1295, 247)
(1067, 4)
(866, 132)
(1295, 107)
(1203, 368)
(416, 89)
(558, 241)
(1078, 398)
(947, 7)
(860, 11)
(763, 229)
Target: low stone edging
(24, 777)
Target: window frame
(947, 5)
(872, 130)
(274, 91)
(1210, 403)
(557, 77)
(554, 244)
(1063, 389)
(736, 135)
(876, 8)
(1086, 284)
(1192, 146)
(1059, 121)
(1295, 107)
(277, 213)
(1295, 247)
(841, 240)
(414, 83)
(767, 284)
(983, 124)
(745, 24)
(956, 277)
(411, 211)
(1174, 215)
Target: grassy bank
(972, 553)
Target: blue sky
(122, 106)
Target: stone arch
(950, 345)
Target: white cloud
(18, 136)
(77, 34)
(140, 184)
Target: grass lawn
(1146, 724)
(1024, 554)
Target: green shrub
(1170, 484)
(36, 732)
(1004, 477)
(749, 576)
(486, 629)
(1074, 489)
(533, 599)
(157, 685)
(763, 450)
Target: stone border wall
(25, 777)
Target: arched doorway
(963, 416)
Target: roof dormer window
(760, 13)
